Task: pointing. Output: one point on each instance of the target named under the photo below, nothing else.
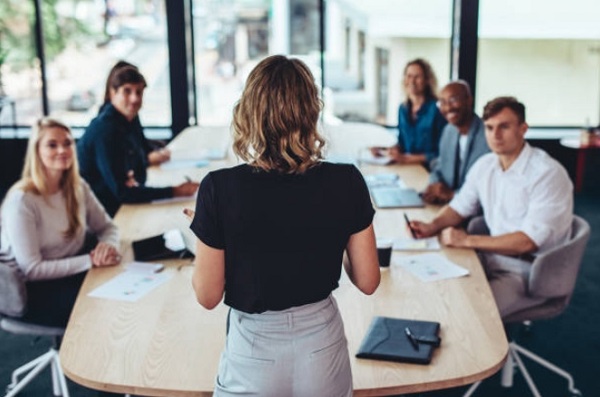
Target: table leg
(580, 170)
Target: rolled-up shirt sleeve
(550, 209)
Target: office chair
(13, 302)
(553, 275)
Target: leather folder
(400, 340)
(168, 245)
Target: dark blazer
(111, 147)
(443, 170)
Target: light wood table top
(166, 344)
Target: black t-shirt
(283, 235)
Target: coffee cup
(384, 251)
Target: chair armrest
(13, 293)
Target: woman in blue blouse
(420, 122)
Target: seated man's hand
(437, 193)
(423, 229)
(453, 237)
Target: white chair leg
(34, 367)
(548, 365)
(508, 370)
(59, 382)
(472, 389)
(525, 373)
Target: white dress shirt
(534, 196)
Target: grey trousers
(297, 352)
(508, 280)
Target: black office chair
(553, 275)
(13, 303)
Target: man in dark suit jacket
(462, 143)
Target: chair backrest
(553, 276)
(13, 294)
(554, 273)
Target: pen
(188, 179)
(412, 231)
(411, 338)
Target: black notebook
(388, 339)
(164, 246)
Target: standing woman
(45, 218)
(112, 152)
(420, 122)
(271, 237)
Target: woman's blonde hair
(33, 178)
(275, 120)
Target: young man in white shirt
(527, 201)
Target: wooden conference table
(165, 344)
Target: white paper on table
(386, 179)
(422, 244)
(182, 164)
(200, 154)
(132, 284)
(431, 267)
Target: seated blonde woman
(45, 219)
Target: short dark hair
(496, 105)
(126, 75)
(119, 65)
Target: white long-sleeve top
(33, 232)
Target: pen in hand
(412, 231)
(188, 179)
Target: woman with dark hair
(46, 217)
(420, 122)
(113, 152)
(271, 237)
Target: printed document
(431, 267)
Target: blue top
(423, 135)
(111, 147)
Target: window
(87, 35)
(232, 36)
(544, 52)
(20, 84)
(368, 44)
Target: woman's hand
(105, 255)
(189, 213)
(185, 189)
(159, 156)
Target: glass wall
(20, 82)
(84, 39)
(544, 52)
(364, 41)
(232, 36)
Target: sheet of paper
(202, 154)
(183, 164)
(411, 244)
(431, 267)
(386, 179)
(130, 285)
